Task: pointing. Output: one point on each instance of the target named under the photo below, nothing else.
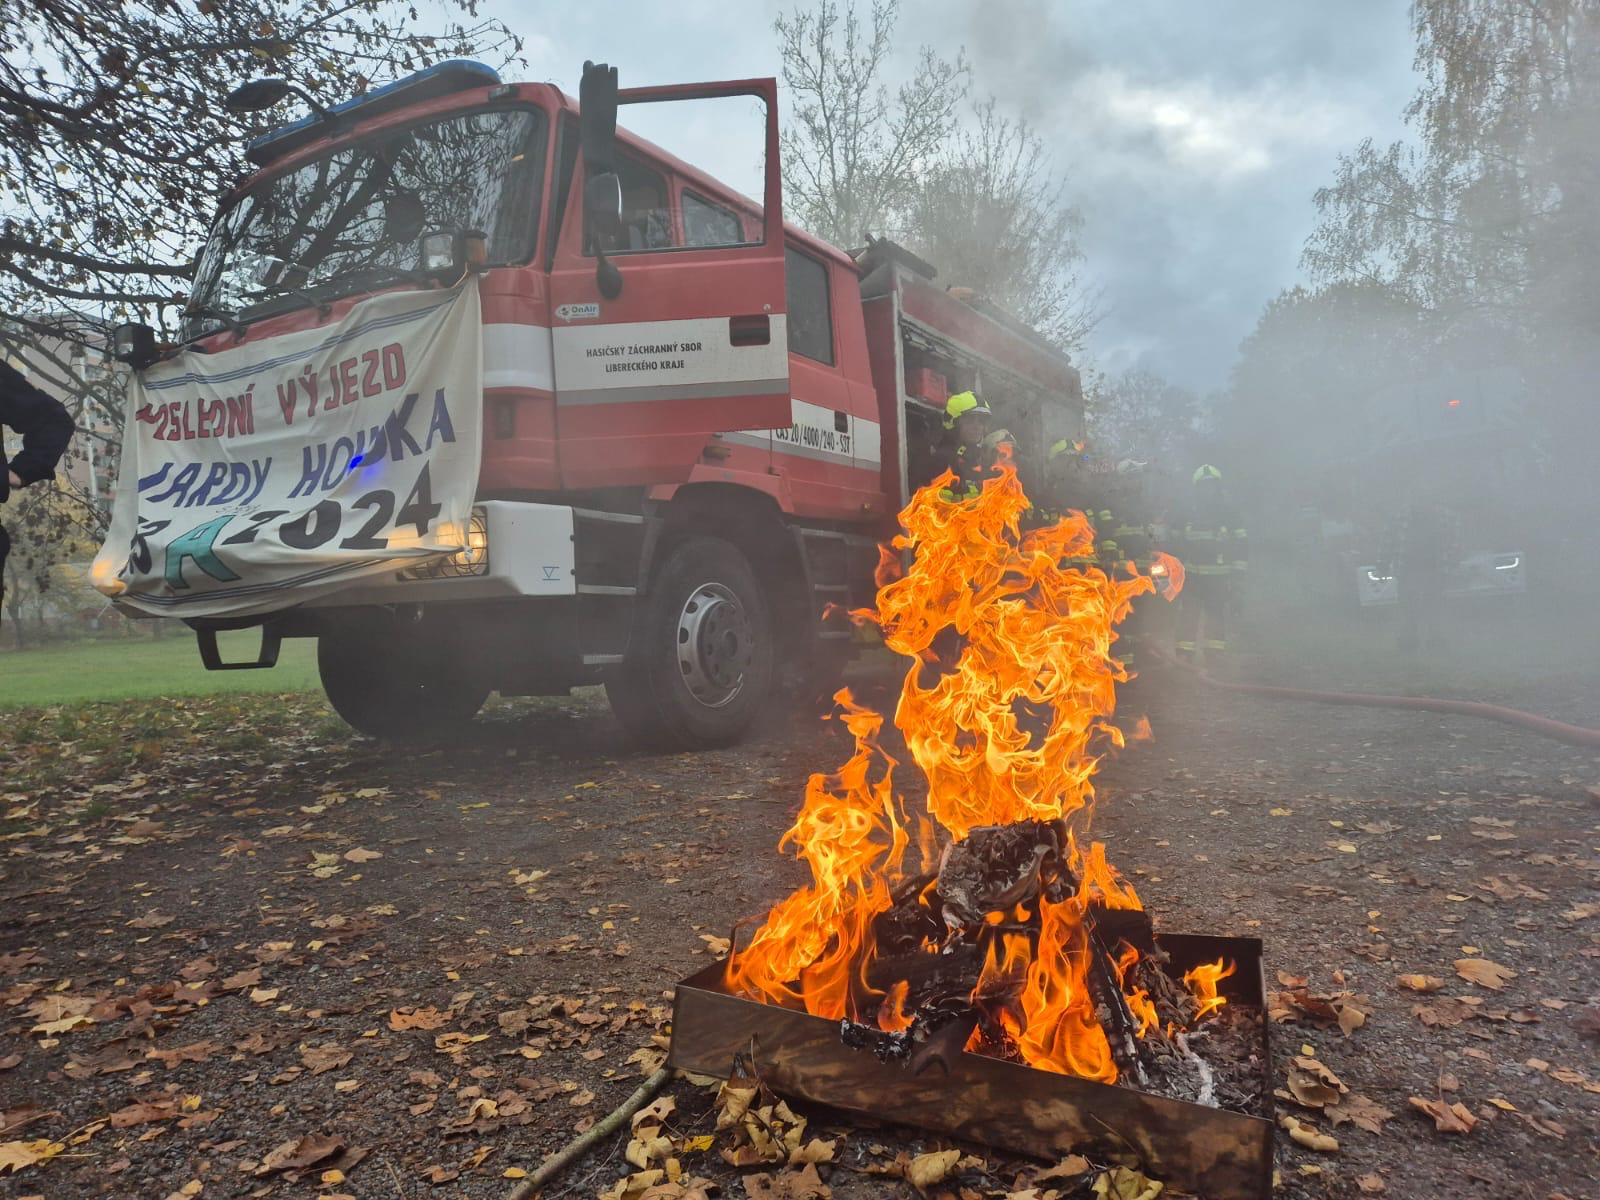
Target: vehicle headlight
(471, 559)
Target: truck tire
(700, 659)
(385, 697)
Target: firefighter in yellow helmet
(972, 447)
(1214, 549)
(1074, 482)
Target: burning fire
(1202, 982)
(1006, 710)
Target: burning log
(995, 868)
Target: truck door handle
(753, 330)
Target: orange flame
(892, 1015)
(850, 833)
(1006, 708)
(1099, 879)
(1202, 984)
(1139, 1002)
(1000, 982)
(1062, 1033)
(1032, 631)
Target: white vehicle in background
(1475, 577)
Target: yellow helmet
(960, 405)
(1066, 447)
(1206, 471)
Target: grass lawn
(74, 672)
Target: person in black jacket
(46, 428)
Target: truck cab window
(350, 220)
(810, 317)
(646, 211)
(708, 224)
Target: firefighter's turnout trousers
(1213, 558)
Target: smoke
(1191, 137)
(1395, 378)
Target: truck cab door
(668, 314)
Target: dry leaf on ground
(928, 1169)
(1484, 973)
(141, 1112)
(1123, 1183)
(804, 1184)
(634, 1186)
(1419, 983)
(1451, 1118)
(318, 1059)
(1347, 1010)
(1069, 1167)
(1364, 1113)
(16, 1155)
(417, 1018)
(1312, 1084)
(1308, 1135)
(1446, 1012)
(299, 1153)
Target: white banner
(257, 477)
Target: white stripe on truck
(667, 360)
(518, 356)
(814, 433)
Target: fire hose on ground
(1572, 735)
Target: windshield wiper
(284, 289)
(383, 274)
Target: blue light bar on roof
(453, 75)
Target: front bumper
(530, 549)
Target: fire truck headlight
(134, 344)
(471, 559)
(441, 253)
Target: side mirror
(602, 190)
(597, 116)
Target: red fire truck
(698, 421)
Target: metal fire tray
(1221, 1155)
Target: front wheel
(700, 660)
(387, 695)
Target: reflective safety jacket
(1133, 541)
(973, 463)
(1212, 549)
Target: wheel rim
(715, 644)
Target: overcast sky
(1190, 135)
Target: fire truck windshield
(351, 220)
